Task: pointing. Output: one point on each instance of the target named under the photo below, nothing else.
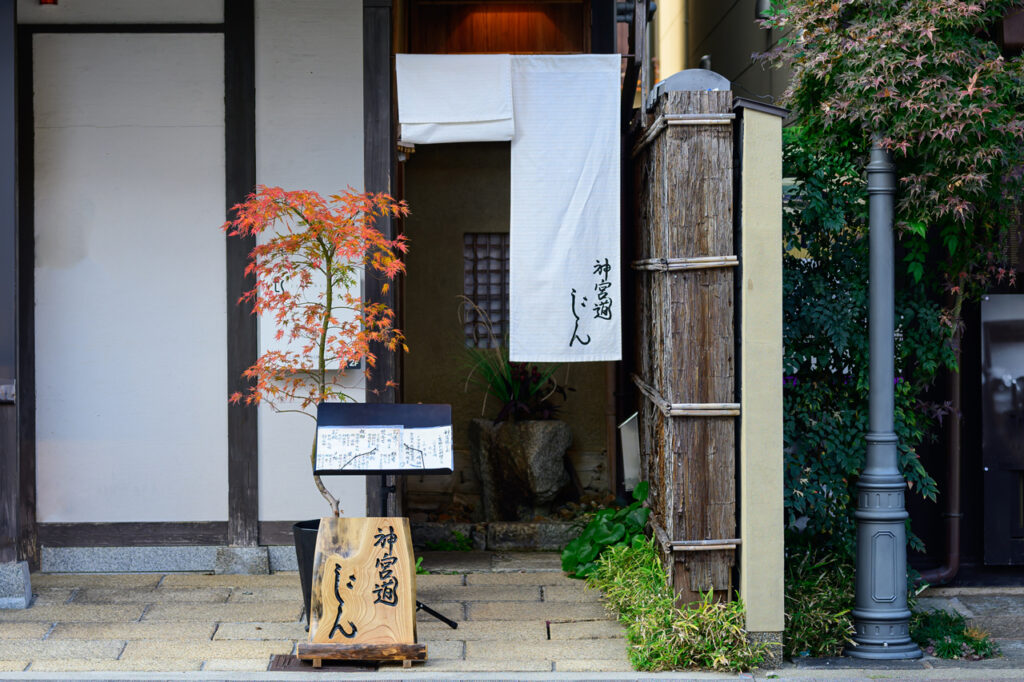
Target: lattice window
(485, 282)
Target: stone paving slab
(281, 579)
(428, 580)
(444, 650)
(205, 649)
(504, 665)
(569, 593)
(71, 648)
(126, 580)
(158, 665)
(527, 593)
(261, 631)
(587, 629)
(240, 665)
(1007, 627)
(24, 630)
(45, 596)
(225, 613)
(455, 610)
(14, 666)
(943, 604)
(527, 561)
(126, 631)
(251, 595)
(571, 665)
(487, 630)
(516, 578)
(53, 613)
(109, 595)
(541, 611)
(973, 591)
(994, 605)
(596, 649)
(459, 562)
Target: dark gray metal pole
(881, 617)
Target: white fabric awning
(454, 98)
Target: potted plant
(519, 455)
(306, 264)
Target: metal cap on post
(881, 617)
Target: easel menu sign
(361, 438)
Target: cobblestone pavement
(516, 612)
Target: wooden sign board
(363, 601)
(376, 438)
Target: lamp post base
(885, 652)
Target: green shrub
(608, 528)
(708, 635)
(819, 599)
(946, 635)
(825, 335)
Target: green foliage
(460, 542)
(928, 78)
(945, 634)
(707, 634)
(819, 599)
(607, 528)
(825, 309)
(419, 567)
(524, 390)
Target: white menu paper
(369, 448)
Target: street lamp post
(881, 617)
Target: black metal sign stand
(409, 416)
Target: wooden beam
(132, 534)
(378, 172)
(242, 346)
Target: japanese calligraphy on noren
(364, 589)
(388, 448)
(593, 305)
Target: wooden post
(685, 266)
(10, 469)
(382, 492)
(242, 344)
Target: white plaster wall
(309, 135)
(121, 12)
(130, 304)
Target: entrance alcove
(458, 195)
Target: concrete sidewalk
(519, 618)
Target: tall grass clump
(819, 599)
(705, 635)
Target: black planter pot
(305, 548)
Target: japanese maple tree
(306, 265)
(927, 78)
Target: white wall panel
(121, 12)
(130, 303)
(309, 135)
